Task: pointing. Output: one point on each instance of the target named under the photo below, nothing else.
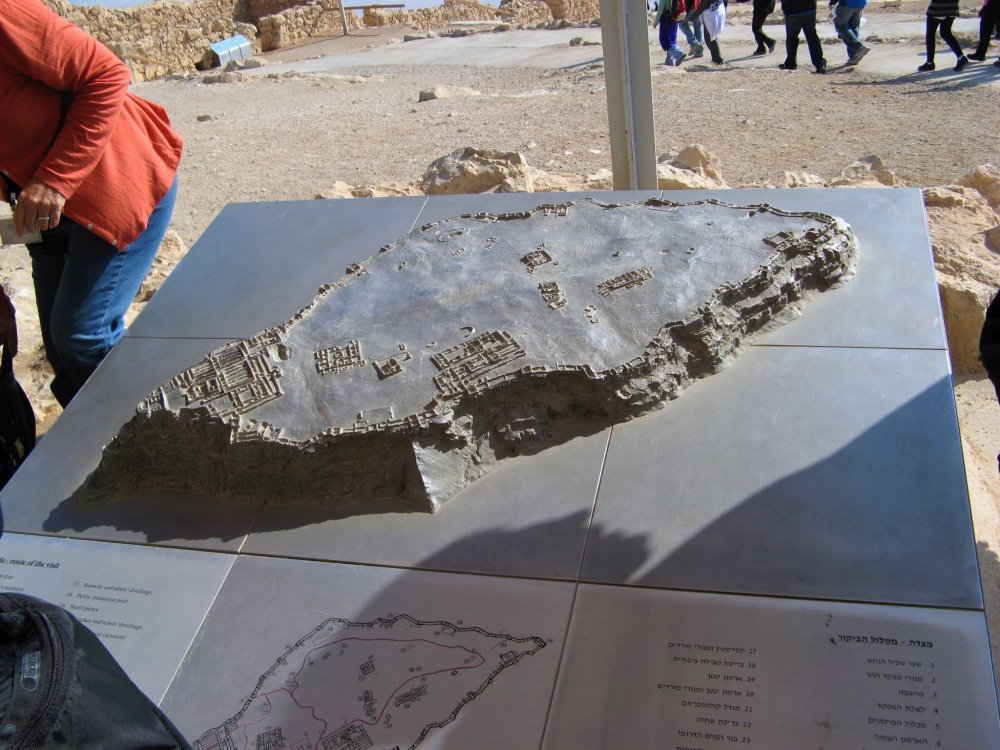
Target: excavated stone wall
(158, 38)
(574, 11)
(314, 18)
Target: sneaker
(697, 50)
(977, 58)
(856, 57)
(926, 67)
(996, 64)
(670, 61)
(770, 45)
(793, 66)
(760, 51)
(821, 68)
(963, 63)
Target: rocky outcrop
(574, 11)
(472, 340)
(868, 171)
(694, 168)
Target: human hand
(8, 323)
(38, 207)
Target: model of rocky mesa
(471, 340)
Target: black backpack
(17, 421)
(60, 688)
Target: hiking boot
(697, 50)
(856, 57)
(963, 63)
(926, 67)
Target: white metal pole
(343, 17)
(624, 31)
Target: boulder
(986, 181)
(602, 179)
(385, 190)
(338, 190)
(962, 223)
(694, 168)
(868, 171)
(473, 170)
(446, 92)
(803, 179)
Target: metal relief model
(471, 340)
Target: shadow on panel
(886, 519)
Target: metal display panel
(37, 499)
(258, 263)
(893, 300)
(798, 471)
(528, 517)
(323, 655)
(144, 603)
(441, 207)
(646, 668)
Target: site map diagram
(384, 684)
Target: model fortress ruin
(472, 340)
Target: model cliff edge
(472, 340)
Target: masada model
(472, 340)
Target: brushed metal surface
(528, 517)
(811, 472)
(647, 669)
(37, 498)
(144, 603)
(268, 607)
(258, 261)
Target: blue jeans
(805, 23)
(668, 34)
(694, 31)
(83, 287)
(847, 21)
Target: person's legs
(668, 34)
(793, 26)
(987, 25)
(931, 40)
(812, 39)
(48, 259)
(97, 286)
(760, 13)
(847, 21)
(713, 47)
(950, 39)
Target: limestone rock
(868, 171)
(803, 179)
(602, 179)
(986, 181)
(446, 92)
(473, 170)
(694, 168)
(254, 62)
(385, 190)
(337, 190)
(968, 269)
(472, 340)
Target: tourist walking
(800, 17)
(694, 31)
(847, 21)
(93, 169)
(714, 20)
(989, 17)
(941, 14)
(665, 20)
(761, 10)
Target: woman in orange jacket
(91, 167)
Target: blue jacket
(850, 3)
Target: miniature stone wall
(574, 11)
(159, 38)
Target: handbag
(17, 422)
(61, 688)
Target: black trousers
(987, 25)
(713, 47)
(806, 24)
(949, 38)
(761, 10)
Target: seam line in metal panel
(147, 545)
(593, 509)
(246, 536)
(419, 214)
(846, 346)
(197, 630)
(559, 666)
